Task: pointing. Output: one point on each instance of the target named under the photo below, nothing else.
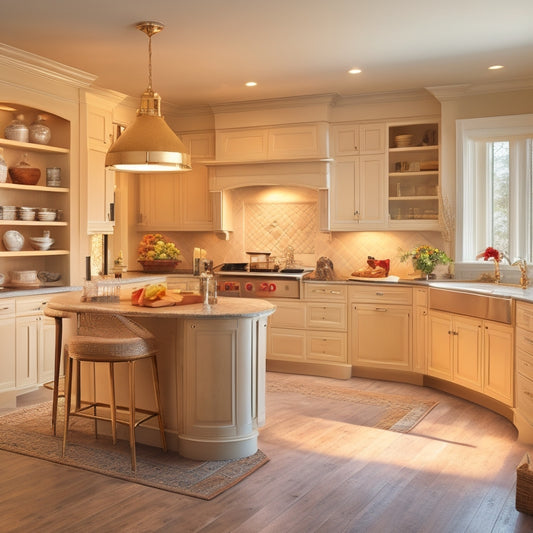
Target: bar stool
(58, 317)
(112, 339)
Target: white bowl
(13, 240)
(41, 243)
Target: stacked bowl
(26, 213)
(41, 243)
(9, 212)
(403, 141)
(45, 214)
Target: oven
(259, 284)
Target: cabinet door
(326, 315)
(286, 344)
(498, 362)
(27, 341)
(326, 347)
(195, 206)
(345, 180)
(440, 346)
(46, 361)
(372, 137)
(420, 338)
(371, 203)
(7, 359)
(468, 355)
(381, 336)
(158, 201)
(345, 139)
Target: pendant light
(148, 144)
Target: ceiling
(210, 48)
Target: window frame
(468, 134)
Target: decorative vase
(16, 130)
(39, 132)
(160, 265)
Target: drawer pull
(527, 393)
(4, 309)
(378, 293)
(381, 309)
(334, 292)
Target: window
(495, 186)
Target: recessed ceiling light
(251, 84)
(355, 71)
(495, 67)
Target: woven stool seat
(112, 339)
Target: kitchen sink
(485, 305)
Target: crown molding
(42, 67)
(409, 95)
(451, 92)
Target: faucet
(522, 265)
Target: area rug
(399, 413)
(28, 431)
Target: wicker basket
(524, 486)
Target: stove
(243, 284)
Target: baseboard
(336, 371)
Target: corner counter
(211, 371)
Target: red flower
(491, 252)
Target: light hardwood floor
(454, 472)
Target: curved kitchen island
(211, 370)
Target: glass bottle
(39, 132)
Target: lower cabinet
(524, 369)
(474, 353)
(312, 331)
(7, 358)
(381, 327)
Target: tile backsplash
(270, 219)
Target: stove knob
(249, 287)
(272, 287)
(264, 286)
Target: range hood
(310, 173)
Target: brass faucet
(522, 265)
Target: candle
(88, 268)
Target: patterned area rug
(396, 413)
(28, 431)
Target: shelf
(33, 253)
(33, 147)
(32, 223)
(411, 198)
(35, 188)
(415, 148)
(413, 174)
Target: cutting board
(174, 299)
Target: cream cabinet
(7, 338)
(99, 183)
(524, 370)
(358, 139)
(358, 194)
(55, 154)
(420, 329)
(374, 311)
(474, 353)
(35, 342)
(298, 141)
(413, 176)
(312, 331)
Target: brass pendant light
(148, 144)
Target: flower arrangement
(155, 246)
(425, 258)
(490, 253)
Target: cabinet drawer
(524, 363)
(326, 315)
(325, 346)
(381, 294)
(289, 315)
(7, 306)
(420, 297)
(31, 305)
(524, 397)
(325, 291)
(524, 340)
(524, 316)
(286, 344)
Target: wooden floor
(454, 472)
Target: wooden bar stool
(112, 339)
(58, 317)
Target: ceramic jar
(3, 167)
(13, 240)
(17, 130)
(39, 132)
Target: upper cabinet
(358, 139)
(358, 182)
(302, 141)
(413, 176)
(97, 124)
(37, 197)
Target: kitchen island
(211, 370)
